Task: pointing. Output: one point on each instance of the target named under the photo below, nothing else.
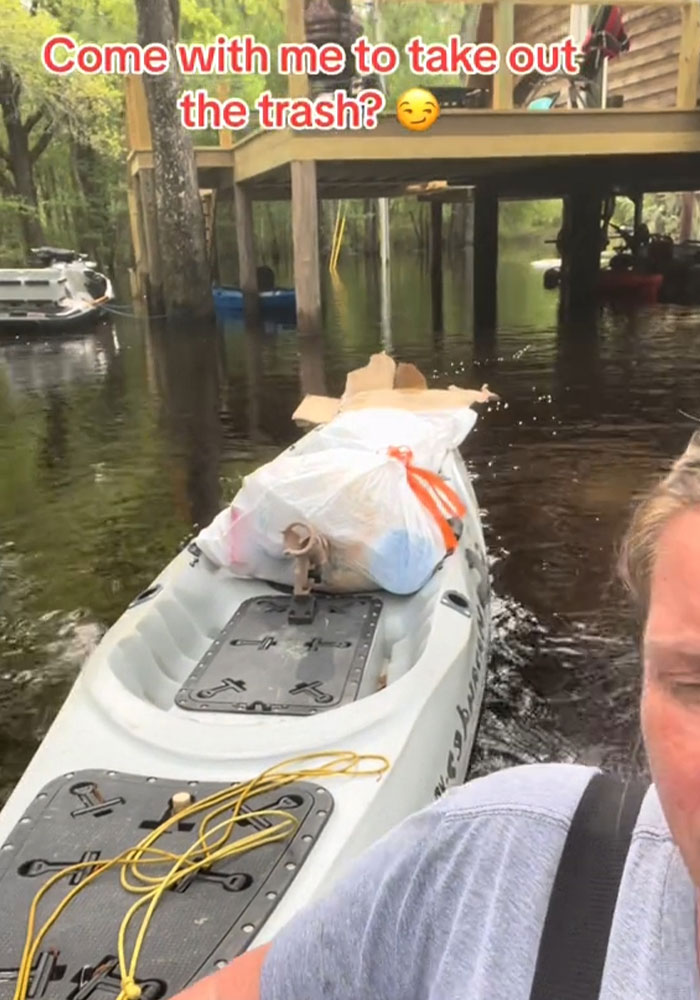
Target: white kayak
(205, 681)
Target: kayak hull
(644, 287)
(419, 709)
(278, 302)
(612, 284)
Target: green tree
(39, 108)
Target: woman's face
(671, 689)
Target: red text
(198, 110)
(308, 58)
(62, 54)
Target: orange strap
(439, 499)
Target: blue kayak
(279, 301)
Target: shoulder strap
(574, 939)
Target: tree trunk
(181, 231)
(21, 163)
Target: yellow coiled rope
(210, 846)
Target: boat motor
(46, 256)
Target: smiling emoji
(417, 109)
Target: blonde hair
(677, 491)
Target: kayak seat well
(160, 654)
(261, 662)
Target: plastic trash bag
(429, 436)
(384, 519)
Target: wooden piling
(687, 216)
(245, 238)
(138, 275)
(154, 268)
(638, 202)
(436, 264)
(485, 258)
(385, 271)
(307, 276)
(371, 228)
(581, 246)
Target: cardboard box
(383, 383)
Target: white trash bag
(384, 519)
(429, 435)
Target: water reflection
(116, 445)
(312, 373)
(34, 364)
(189, 373)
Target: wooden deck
(620, 147)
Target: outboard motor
(46, 256)
(95, 283)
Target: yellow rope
(201, 855)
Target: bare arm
(238, 981)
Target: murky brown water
(115, 445)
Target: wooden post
(138, 128)
(385, 271)
(307, 276)
(371, 233)
(139, 276)
(503, 30)
(225, 134)
(469, 221)
(436, 264)
(687, 213)
(485, 258)
(312, 372)
(245, 238)
(638, 202)
(296, 32)
(689, 58)
(581, 247)
(154, 269)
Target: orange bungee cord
(439, 499)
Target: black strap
(574, 939)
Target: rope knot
(131, 989)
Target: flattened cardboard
(409, 377)
(417, 400)
(382, 383)
(378, 373)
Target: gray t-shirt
(450, 904)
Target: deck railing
(503, 36)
